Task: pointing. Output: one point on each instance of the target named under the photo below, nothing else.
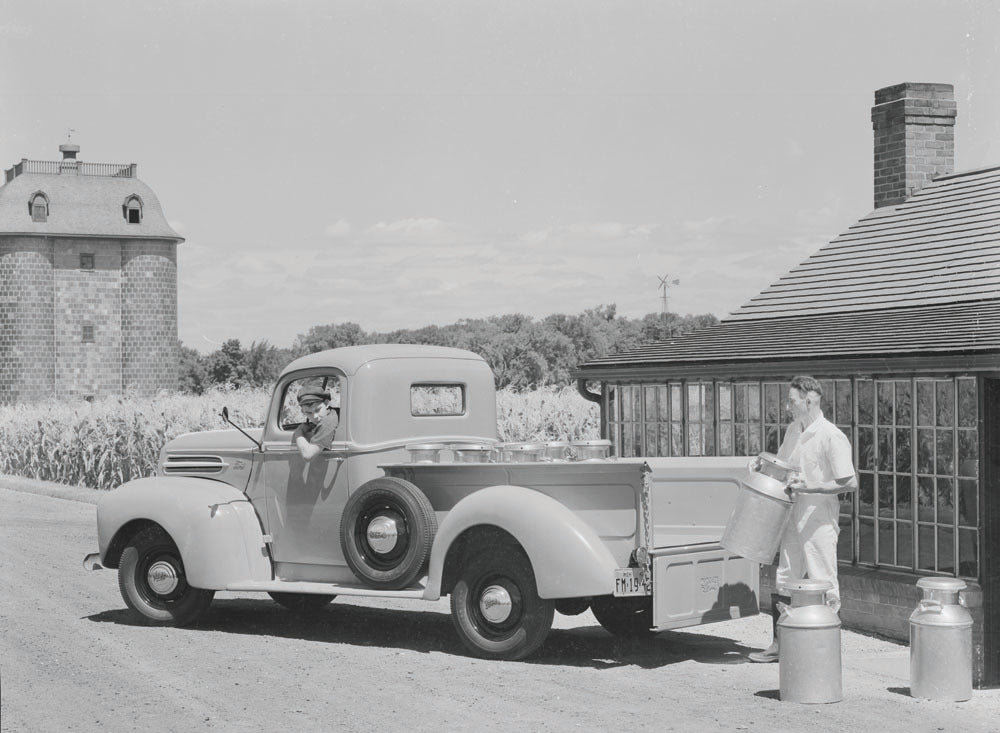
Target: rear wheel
(153, 583)
(626, 618)
(301, 602)
(496, 609)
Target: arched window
(38, 206)
(132, 209)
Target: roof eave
(969, 360)
(76, 235)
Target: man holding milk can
(824, 458)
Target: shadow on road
(431, 631)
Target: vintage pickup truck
(634, 540)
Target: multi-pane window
(87, 333)
(86, 260)
(700, 419)
(918, 456)
(647, 419)
(916, 450)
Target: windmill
(664, 284)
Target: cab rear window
(428, 400)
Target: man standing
(317, 432)
(826, 469)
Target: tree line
(524, 352)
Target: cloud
(420, 271)
(339, 229)
(14, 30)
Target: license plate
(629, 582)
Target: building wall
(26, 317)
(46, 299)
(150, 355)
(87, 297)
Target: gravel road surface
(71, 660)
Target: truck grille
(193, 464)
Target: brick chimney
(914, 138)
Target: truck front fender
(213, 525)
(567, 556)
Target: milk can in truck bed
(634, 540)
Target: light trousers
(809, 550)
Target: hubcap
(382, 534)
(495, 604)
(162, 578)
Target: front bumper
(93, 562)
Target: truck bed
(690, 498)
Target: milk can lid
(771, 458)
(945, 584)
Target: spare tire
(386, 533)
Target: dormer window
(132, 208)
(38, 207)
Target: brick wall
(26, 299)
(881, 601)
(87, 297)
(914, 138)
(150, 357)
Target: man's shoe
(767, 655)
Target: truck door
(301, 501)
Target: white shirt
(823, 454)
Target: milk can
(762, 508)
(809, 645)
(941, 643)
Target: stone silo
(88, 282)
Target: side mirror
(225, 416)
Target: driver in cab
(316, 433)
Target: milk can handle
(931, 605)
(754, 465)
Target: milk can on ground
(941, 643)
(809, 668)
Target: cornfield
(103, 444)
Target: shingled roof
(81, 205)
(918, 278)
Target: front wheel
(153, 583)
(626, 618)
(496, 609)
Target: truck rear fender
(568, 558)
(213, 525)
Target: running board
(337, 589)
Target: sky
(401, 164)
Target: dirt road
(70, 659)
